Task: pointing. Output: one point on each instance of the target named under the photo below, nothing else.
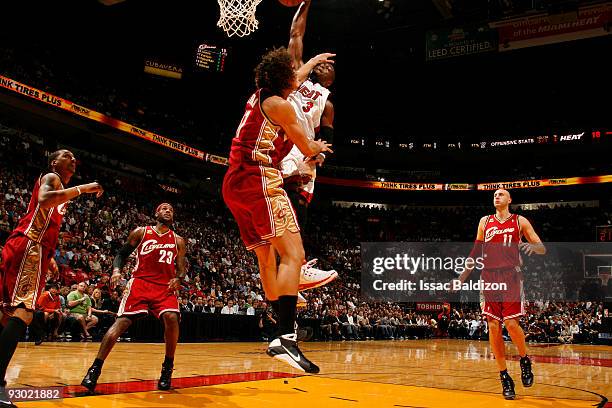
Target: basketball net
(238, 17)
(605, 277)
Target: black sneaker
(165, 378)
(285, 348)
(91, 378)
(507, 386)
(526, 374)
(5, 402)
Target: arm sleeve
(122, 255)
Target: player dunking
(151, 289)
(499, 241)
(315, 113)
(252, 189)
(29, 250)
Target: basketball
(290, 3)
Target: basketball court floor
(380, 374)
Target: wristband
(78, 190)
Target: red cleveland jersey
(155, 256)
(41, 225)
(500, 247)
(258, 141)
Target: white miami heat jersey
(308, 103)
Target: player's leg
(15, 327)
(266, 259)
(518, 338)
(310, 276)
(517, 335)
(133, 304)
(496, 342)
(171, 336)
(164, 305)
(21, 276)
(513, 309)
(284, 347)
(108, 342)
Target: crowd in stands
(159, 105)
(223, 278)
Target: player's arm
(326, 132)
(281, 113)
(476, 250)
(296, 35)
(304, 71)
(124, 253)
(534, 245)
(175, 283)
(51, 193)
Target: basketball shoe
(507, 385)
(285, 349)
(526, 373)
(91, 378)
(165, 378)
(311, 277)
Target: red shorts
(503, 304)
(141, 296)
(255, 196)
(23, 272)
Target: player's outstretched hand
(324, 57)
(92, 188)
(324, 146)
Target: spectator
(230, 308)
(80, 307)
(49, 315)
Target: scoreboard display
(210, 58)
(604, 233)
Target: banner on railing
(69, 106)
(545, 182)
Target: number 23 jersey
(155, 256)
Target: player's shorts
(503, 304)
(256, 198)
(23, 272)
(141, 296)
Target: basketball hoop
(605, 277)
(238, 17)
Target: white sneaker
(311, 277)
